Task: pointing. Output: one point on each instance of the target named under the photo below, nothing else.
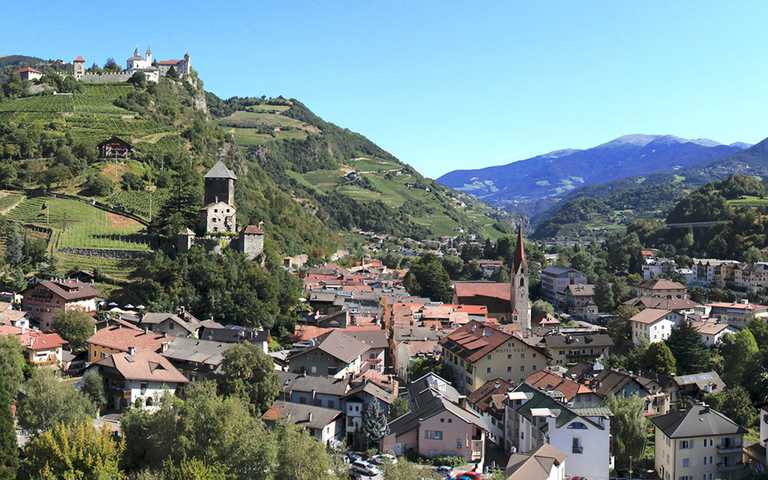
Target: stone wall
(119, 77)
(104, 252)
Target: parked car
(364, 468)
(468, 476)
(383, 458)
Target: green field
(260, 119)
(77, 224)
(749, 201)
(250, 136)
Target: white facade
(149, 393)
(697, 458)
(657, 331)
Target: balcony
(476, 449)
(731, 467)
(729, 448)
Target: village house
(114, 147)
(313, 389)
(216, 332)
(47, 298)
(437, 423)
(138, 378)
(336, 354)
(682, 306)
(123, 338)
(356, 402)
(564, 390)
(555, 281)
(568, 348)
(606, 382)
(655, 267)
(737, 314)
(13, 318)
(545, 463)
(40, 349)
(534, 418)
(29, 74)
(580, 301)
(326, 425)
(180, 324)
(489, 268)
(685, 389)
(662, 288)
(712, 333)
(699, 442)
(477, 353)
(653, 325)
(752, 277)
(490, 401)
(712, 272)
(196, 359)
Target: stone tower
(148, 57)
(78, 67)
(521, 312)
(220, 185)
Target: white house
(533, 419)
(653, 325)
(712, 333)
(546, 463)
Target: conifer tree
(374, 424)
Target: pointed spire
(136, 52)
(519, 249)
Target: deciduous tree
(75, 326)
(629, 428)
(250, 374)
(46, 401)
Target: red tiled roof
(33, 339)
(68, 289)
(143, 365)
(254, 229)
(545, 380)
(169, 62)
(501, 291)
(663, 284)
(474, 341)
(79, 59)
(121, 338)
(737, 306)
(28, 69)
(649, 316)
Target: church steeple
(519, 285)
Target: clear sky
(442, 84)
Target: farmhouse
(114, 147)
(46, 299)
(29, 74)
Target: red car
(469, 476)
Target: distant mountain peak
(642, 140)
(741, 145)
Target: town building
(219, 215)
(123, 338)
(40, 349)
(653, 325)
(490, 401)
(477, 353)
(752, 277)
(179, 324)
(545, 463)
(555, 281)
(662, 288)
(533, 419)
(564, 390)
(29, 74)
(580, 301)
(47, 298)
(694, 387)
(567, 348)
(196, 359)
(335, 354)
(437, 423)
(699, 442)
(326, 425)
(712, 272)
(712, 333)
(138, 378)
(607, 382)
(737, 314)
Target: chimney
(486, 332)
(131, 351)
(309, 417)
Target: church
(506, 302)
(219, 218)
(152, 69)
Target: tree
(428, 278)
(14, 245)
(45, 401)
(405, 470)
(312, 464)
(690, 353)
(150, 437)
(75, 451)
(111, 66)
(11, 374)
(98, 185)
(628, 427)
(736, 404)
(374, 424)
(132, 182)
(604, 295)
(74, 326)
(171, 73)
(658, 358)
(93, 388)
(193, 469)
(541, 308)
(619, 328)
(138, 79)
(738, 351)
(398, 408)
(759, 329)
(182, 207)
(250, 374)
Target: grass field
(77, 224)
(250, 136)
(749, 201)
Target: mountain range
(536, 184)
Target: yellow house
(477, 353)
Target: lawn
(251, 136)
(749, 201)
(261, 119)
(77, 224)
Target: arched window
(577, 426)
(522, 281)
(149, 401)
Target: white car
(383, 458)
(364, 468)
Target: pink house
(439, 423)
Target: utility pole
(630, 467)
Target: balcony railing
(729, 467)
(476, 448)
(725, 449)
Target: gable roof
(563, 340)
(69, 290)
(485, 396)
(198, 351)
(500, 291)
(534, 466)
(541, 404)
(300, 382)
(301, 414)
(698, 421)
(704, 381)
(649, 316)
(122, 338)
(663, 303)
(611, 382)
(191, 324)
(338, 345)
(32, 339)
(545, 380)
(662, 284)
(113, 139)
(475, 340)
(220, 170)
(581, 290)
(143, 365)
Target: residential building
(138, 378)
(13, 318)
(180, 324)
(489, 268)
(685, 389)
(755, 454)
(683, 306)
(315, 390)
(698, 443)
(477, 353)
(564, 390)
(326, 425)
(606, 382)
(489, 400)
(713, 272)
(29, 74)
(737, 314)
(580, 301)
(357, 401)
(662, 288)
(121, 338)
(216, 332)
(437, 424)
(534, 418)
(655, 267)
(378, 344)
(47, 298)
(752, 277)
(566, 348)
(545, 463)
(335, 353)
(40, 349)
(712, 332)
(555, 281)
(653, 325)
(196, 359)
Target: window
(459, 443)
(576, 446)
(522, 368)
(433, 434)
(685, 444)
(488, 370)
(686, 462)
(577, 426)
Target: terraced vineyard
(265, 123)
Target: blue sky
(442, 84)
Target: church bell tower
(521, 312)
